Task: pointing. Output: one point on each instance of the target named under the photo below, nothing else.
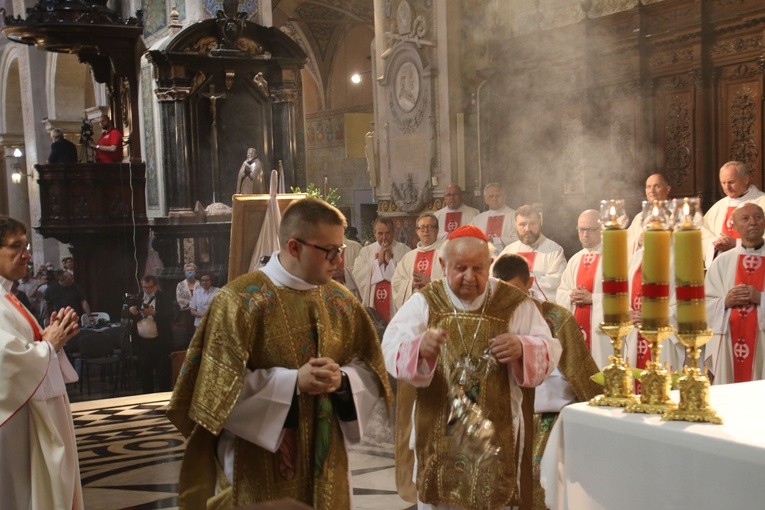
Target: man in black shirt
(66, 293)
(61, 150)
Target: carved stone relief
(409, 198)
(677, 141)
(743, 146)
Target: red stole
(453, 221)
(382, 293)
(530, 257)
(494, 226)
(744, 326)
(585, 279)
(636, 303)
(423, 262)
(727, 228)
(27, 316)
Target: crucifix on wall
(213, 97)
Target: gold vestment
(577, 365)
(447, 473)
(252, 324)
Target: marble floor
(130, 455)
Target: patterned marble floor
(130, 455)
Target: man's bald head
(453, 196)
(657, 187)
(588, 228)
(749, 222)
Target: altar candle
(615, 288)
(689, 281)
(655, 279)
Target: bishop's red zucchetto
(468, 231)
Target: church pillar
(287, 119)
(175, 156)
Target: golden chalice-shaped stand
(694, 385)
(655, 380)
(617, 391)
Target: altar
(601, 458)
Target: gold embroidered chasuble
(252, 324)
(577, 365)
(447, 473)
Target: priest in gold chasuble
(474, 347)
(284, 369)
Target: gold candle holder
(694, 385)
(655, 380)
(617, 391)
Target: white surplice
(549, 264)
(38, 453)
(468, 213)
(634, 232)
(266, 397)
(715, 217)
(718, 356)
(402, 278)
(508, 235)
(600, 344)
(368, 271)
(404, 333)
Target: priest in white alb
(498, 222)
(420, 266)
(544, 256)
(38, 454)
(718, 233)
(656, 188)
(438, 341)
(581, 287)
(454, 213)
(735, 309)
(374, 268)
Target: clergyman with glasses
(419, 266)
(581, 287)
(38, 452)
(283, 370)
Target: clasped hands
(742, 295)
(581, 297)
(724, 243)
(506, 347)
(319, 376)
(64, 324)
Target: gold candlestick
(655, 380)
(617, 391)
(694, 385)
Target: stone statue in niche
(369, 152)
(250, 178)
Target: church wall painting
(154, 16)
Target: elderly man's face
(466, 264)
(383, 234)
(749, 221)
(733, 185)
(452, 196)
(494, 198)
(427, 230)
(656, 188)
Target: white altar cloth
(601, 458)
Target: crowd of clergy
(386, 273)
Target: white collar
(283, 278)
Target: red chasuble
(727, 228)
(453, 221)
(744, 326)
(585, 279)
(636, 303)
(494, 226)
(423, 262)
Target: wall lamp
(356, 77)
(17, 175)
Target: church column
(287, 119)
(175, 156)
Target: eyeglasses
(424, 228)
(587, 230)
(329, 253)
(18, 247)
